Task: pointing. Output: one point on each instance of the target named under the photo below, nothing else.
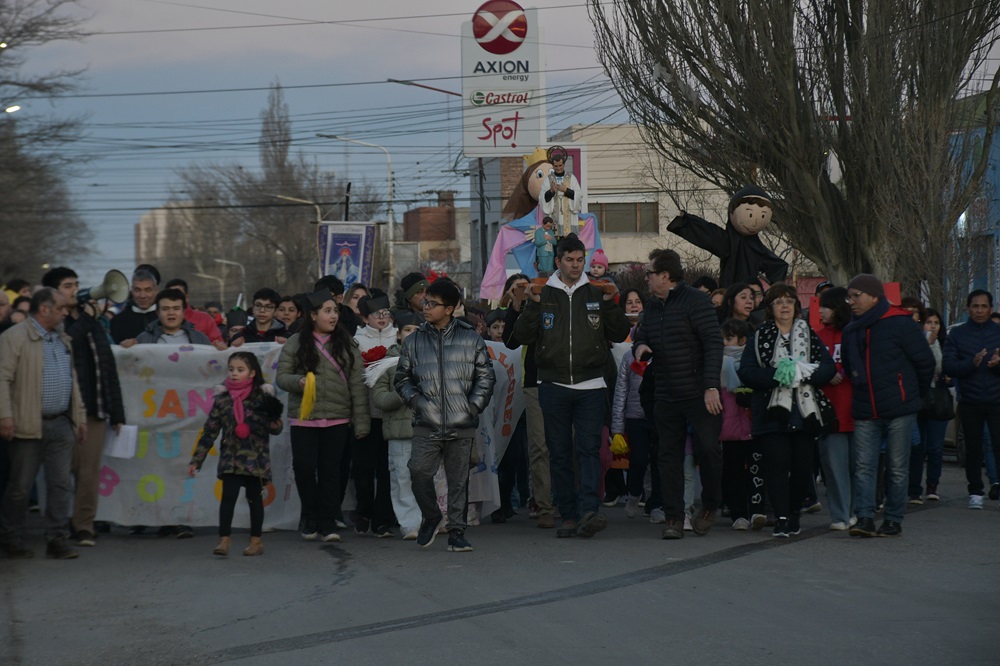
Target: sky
(174, 84)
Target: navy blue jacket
(976, 386)
(899, 367)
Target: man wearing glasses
(890, 365)
(680, 332)
(264, 327)
(571, 324)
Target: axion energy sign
(503, 84)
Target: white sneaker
(657, 517)
(741, 524)
(975, 501)
(758, 521)
(839, 526)
(410, 535)
(687, 522)
(631, 507)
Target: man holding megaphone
(97, 376)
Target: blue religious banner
(347, 250)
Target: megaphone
(114, 287)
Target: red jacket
(842, 394)
(203, 322)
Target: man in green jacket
(572, 322)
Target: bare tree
(777, 92)
(35, 204)
(227, 211)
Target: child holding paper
(246, 412)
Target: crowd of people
(730, 389)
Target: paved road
(524, 597)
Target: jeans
(403, 501)
(371, 476)
(973, 418)
(835, 456)
(672, 422)
(868, 436)
(316, 455)
(538, 453)
(931, 448)
(573, 422)
(426, 456)
(54, 452)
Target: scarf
(239, 391)
(852, 344)
(772, 353)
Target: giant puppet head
(750, 211)
(529, 188)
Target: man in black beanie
(890, 366)
(413, 287)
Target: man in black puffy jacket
(890, 365)
(97, 377)
(972, 357)
(680, 329)
(446, 377)
(570, 323)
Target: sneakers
(702, 522)
(16, 550)
(890, 528)
(566, 530)
(591, 523)
(793, 525)
(915, 499)
(687, 522)
(545, 522)
(865, 527)
(811, 505)
(741, 524)
(631, 506)
(673, 530)
(328, 536)
(781, 528)
(975, 501)
(183, 532)
(362, 525)
(610, 500)
(428, 530)
(839, 526)
(457, 543)
(932, 493)
(382, 532)
(58, 550)
(307, 529)
(657, 517)
(758, 521)
(995, 491)
(85, 538)
(410, 535)
(532, 508)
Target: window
(627, 218)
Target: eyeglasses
(429, 304)
(649, 272)
(784, 301)
(853, 297)
(381, 314)
(263, 307)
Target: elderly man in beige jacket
(42, 416)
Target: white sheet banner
(168, 392)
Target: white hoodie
(369, 337)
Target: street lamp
(243, 274)
(392, 218)
(222, 284)
(319, 211)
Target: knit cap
(599, 258)
(867, 283)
